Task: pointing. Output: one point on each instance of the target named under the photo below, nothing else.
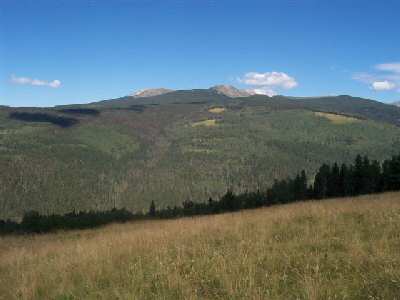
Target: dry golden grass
(337, 249)
(207, 123)
(337, 119)
(217, 110)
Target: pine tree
(386, 175)
(229, 202)
(210, 202)
(333, 185)
(375, 177)
(152, 209)
(321, 182)
(300, 186)
(368, 185)
(343, 177)
(395, 173)
(358, 176)
(303, 185)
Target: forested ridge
(185, 145)
(331, 181)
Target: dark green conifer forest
(360, 178)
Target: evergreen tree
(343, 179)
(303, 185)
(395, 173)
(375, 177)
(300, 186)
(272, 193)
(321, 182)
(229, 202)
(283, 191)
(368, 184)
(333, 184)
(152, 209)
(358, 176)
(386, 175)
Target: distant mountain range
(231, 91)
(169, 146)
(227, 90)
(150, 92)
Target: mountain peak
(230, 91)
(150, 92)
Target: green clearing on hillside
(336, 118)
(206, 123)
(217, 110)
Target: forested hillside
(184, 145)
(362, 177)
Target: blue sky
(76, 51)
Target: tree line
(33, 222)
(331, 180)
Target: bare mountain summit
(150, 92)
(230, 91)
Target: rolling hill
(177, 145)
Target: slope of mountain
(186, 144)
(230, 91)
(397, 103)
(151, 92)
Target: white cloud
(385, 78)
(390, 67)
(35, 82)
(55, 83)
(269, 79)
(262, 91)
(383, 85)
(364, 77)
(267, 83)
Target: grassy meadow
(335, 249)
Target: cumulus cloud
(267, 83)
(35, 82)
(386, 77)
(271, 79)
(262, 91)
(383, 85)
